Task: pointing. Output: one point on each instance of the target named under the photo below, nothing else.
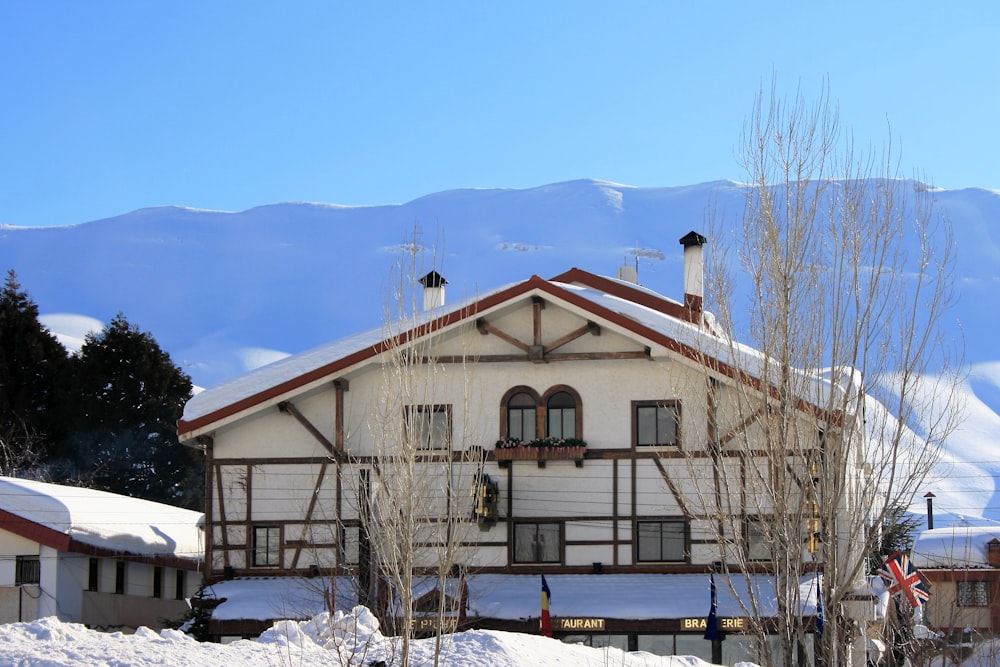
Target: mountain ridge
(222, 291)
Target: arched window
(524, 415)
(521, 416)
(560, 411)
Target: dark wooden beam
(289, 408)
(589, 327)
(483, 325)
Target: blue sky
(108, 107)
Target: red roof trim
(624, 291)
(184, 427)
(574, 275)
(686, 350)
(35, 532)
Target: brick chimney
(993, 552)
(694, 274)
(433, 284)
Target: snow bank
(349, 640)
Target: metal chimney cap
(433, 279)
(693, 239)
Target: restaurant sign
(578, 624)
(725, 624)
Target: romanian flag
(546, 619)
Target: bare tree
(836, 414)
(417, 512)
(22, 451)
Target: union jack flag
(903, 579)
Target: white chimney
(628, 274)
(433, 284)
(694, 273)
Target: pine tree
(31, 363)
(128, 395)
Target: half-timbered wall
(299, 468)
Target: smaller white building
(92, 557)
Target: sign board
(578, 624)
(725, 624)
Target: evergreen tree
(128, 395)
(894, 534)
(31, 364)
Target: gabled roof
(75, 519)
(648, 315)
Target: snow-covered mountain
(224, 292)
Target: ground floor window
(28, 570)
(93, 574)
(675, 644)
(599, 641)
(736, 648)
(157, 581)
(120, 570)
(180, 585)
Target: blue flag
(820, 620)
(712, 622)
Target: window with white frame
(537, 542)
(973, 594)
(661, 541)
(430, 426)
(656, 423)
(266, 546)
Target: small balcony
(540, 451)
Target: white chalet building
(563, 428)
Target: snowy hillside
(225, 292)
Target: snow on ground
(344, 639)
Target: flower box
(546, 449)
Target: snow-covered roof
(640, 309)
(515, 597)
(267, 598)
(101, 520)
(953, 547)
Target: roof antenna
(627, 274)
